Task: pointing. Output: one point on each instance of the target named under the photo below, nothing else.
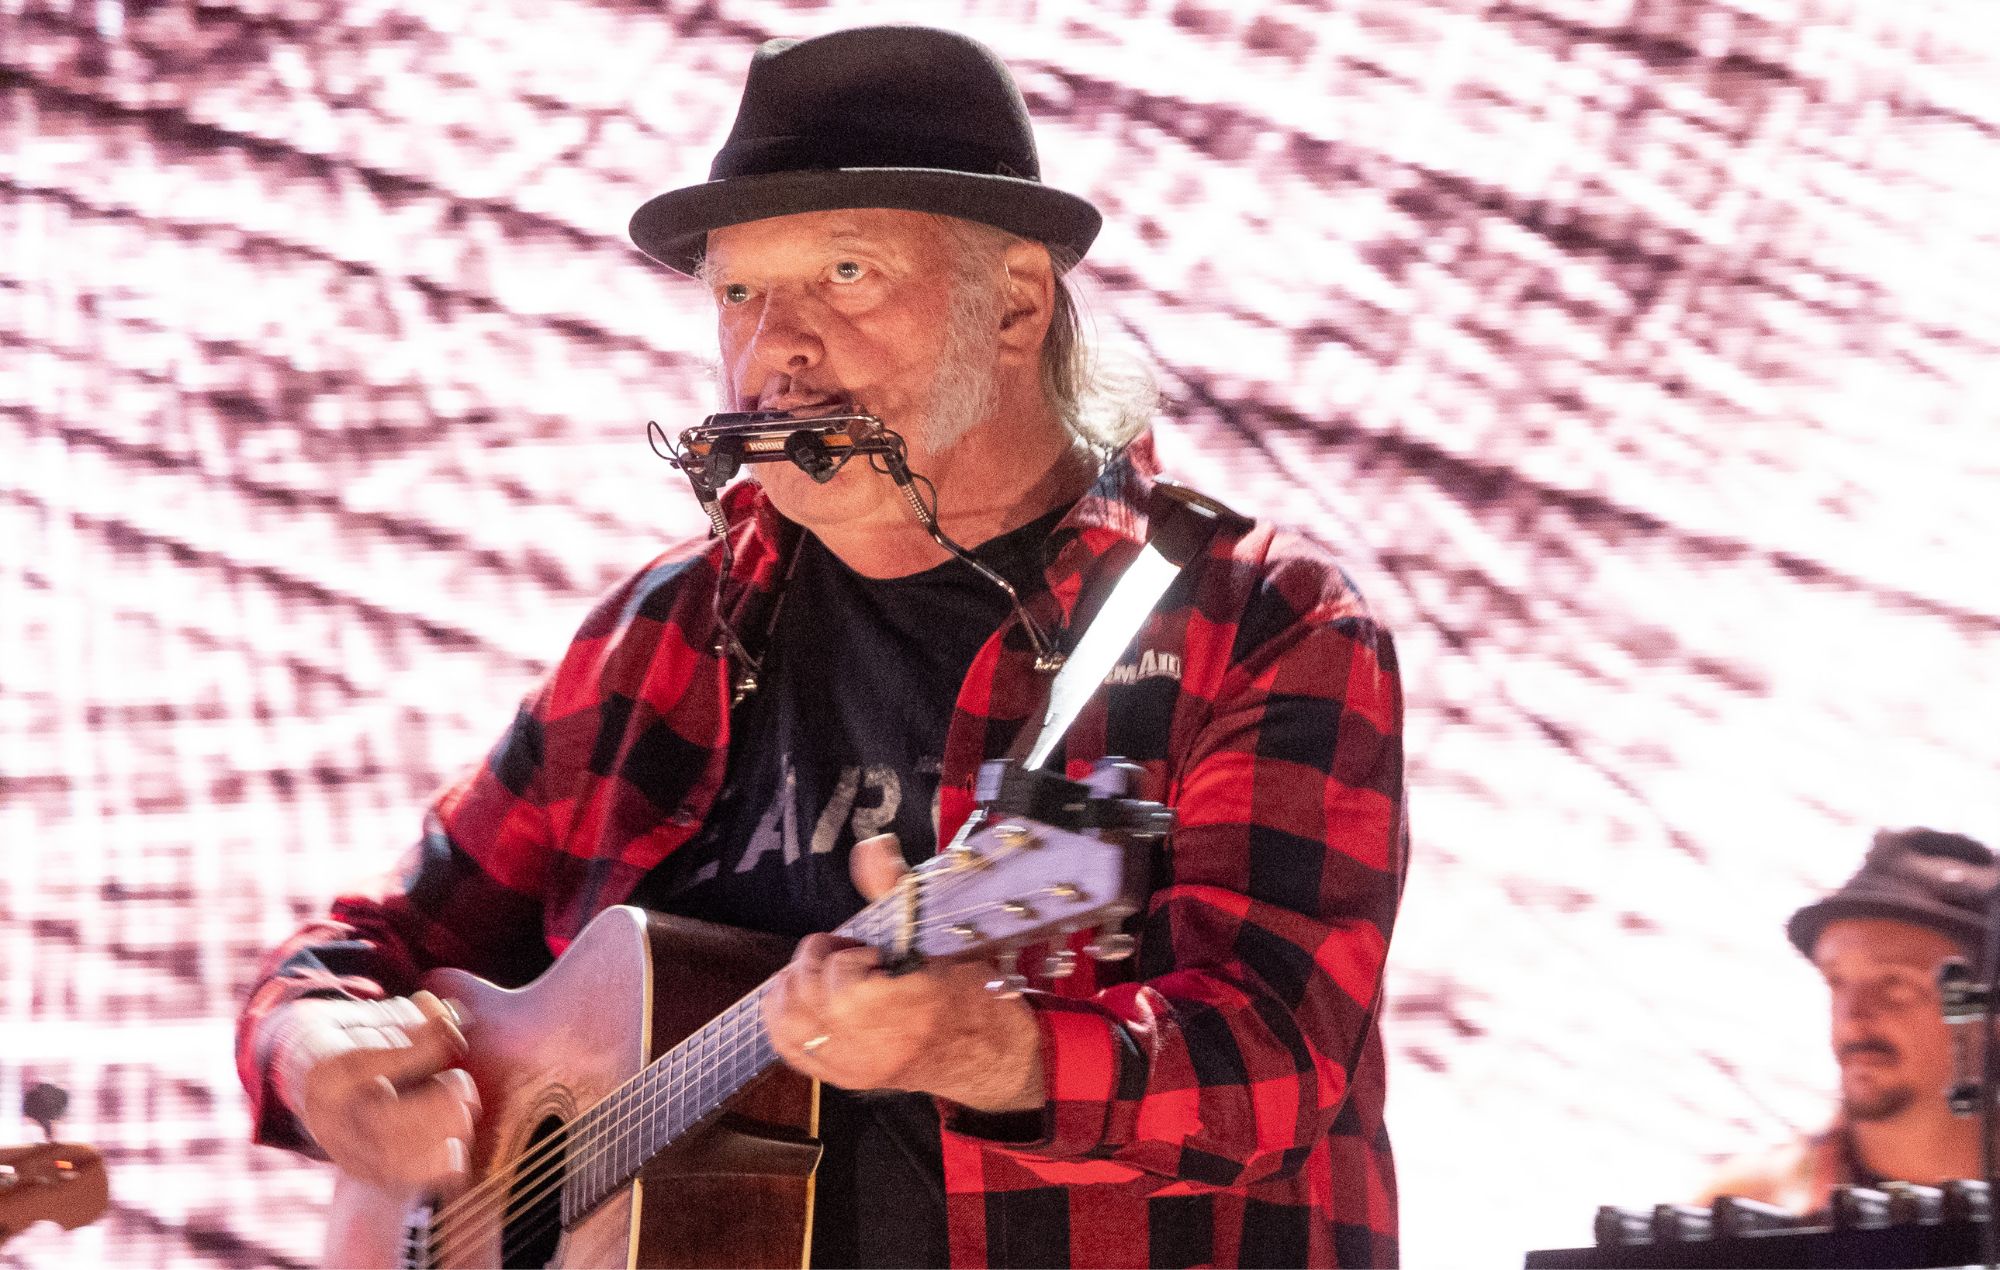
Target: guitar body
(736, 1192)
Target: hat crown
(1924, 877)
(1956, 870)
(907, 118)
(879, 97)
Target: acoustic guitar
(633, 1111)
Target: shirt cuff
(273, 1123)
(1087, 1058)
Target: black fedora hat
(1942, 881)
(904, 117)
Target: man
(1919, 899)
(875, 236)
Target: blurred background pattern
(1638, 357)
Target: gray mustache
(1881, 1048)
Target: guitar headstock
(62, 1182)
(1044, 856)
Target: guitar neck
(683, 1088)
(1009, 875)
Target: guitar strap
(1181, 525)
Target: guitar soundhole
(534, 1199)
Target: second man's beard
(1880, 1103)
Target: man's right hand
(376, 1085)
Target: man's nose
(1852, 1013)
(787, 335)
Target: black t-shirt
(841, 742)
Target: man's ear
(1029, 293)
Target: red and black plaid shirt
(1218, 1098)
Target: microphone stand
(1965, 1003)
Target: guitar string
(535, 1225)
(709, 1053)
(453, 1239)
(606, 1124)
(514, 1236)
(619, 1105)
(690, 1064)
(546, 1170)
(635, 1101)
(543, 1168)
(589, 1141)
(493, 1188)
(587, 1137)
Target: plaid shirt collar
(1112, 513)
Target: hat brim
(673, 227)
(1806, 925)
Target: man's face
(825, 310)
(1889, 1036)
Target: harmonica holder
(713, 452)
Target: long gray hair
(1103, 399)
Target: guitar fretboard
(684, 1087)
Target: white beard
(966, 390)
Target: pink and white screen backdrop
(1637, 355)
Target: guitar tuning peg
(1060, 964)
(1007, 986)
(1112, 945)
(1013, 834)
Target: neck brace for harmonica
(711, 454)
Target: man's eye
(1905, 992)
(849, 271)
(734, 293)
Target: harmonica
(714, 450)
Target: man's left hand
(836, 1015)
